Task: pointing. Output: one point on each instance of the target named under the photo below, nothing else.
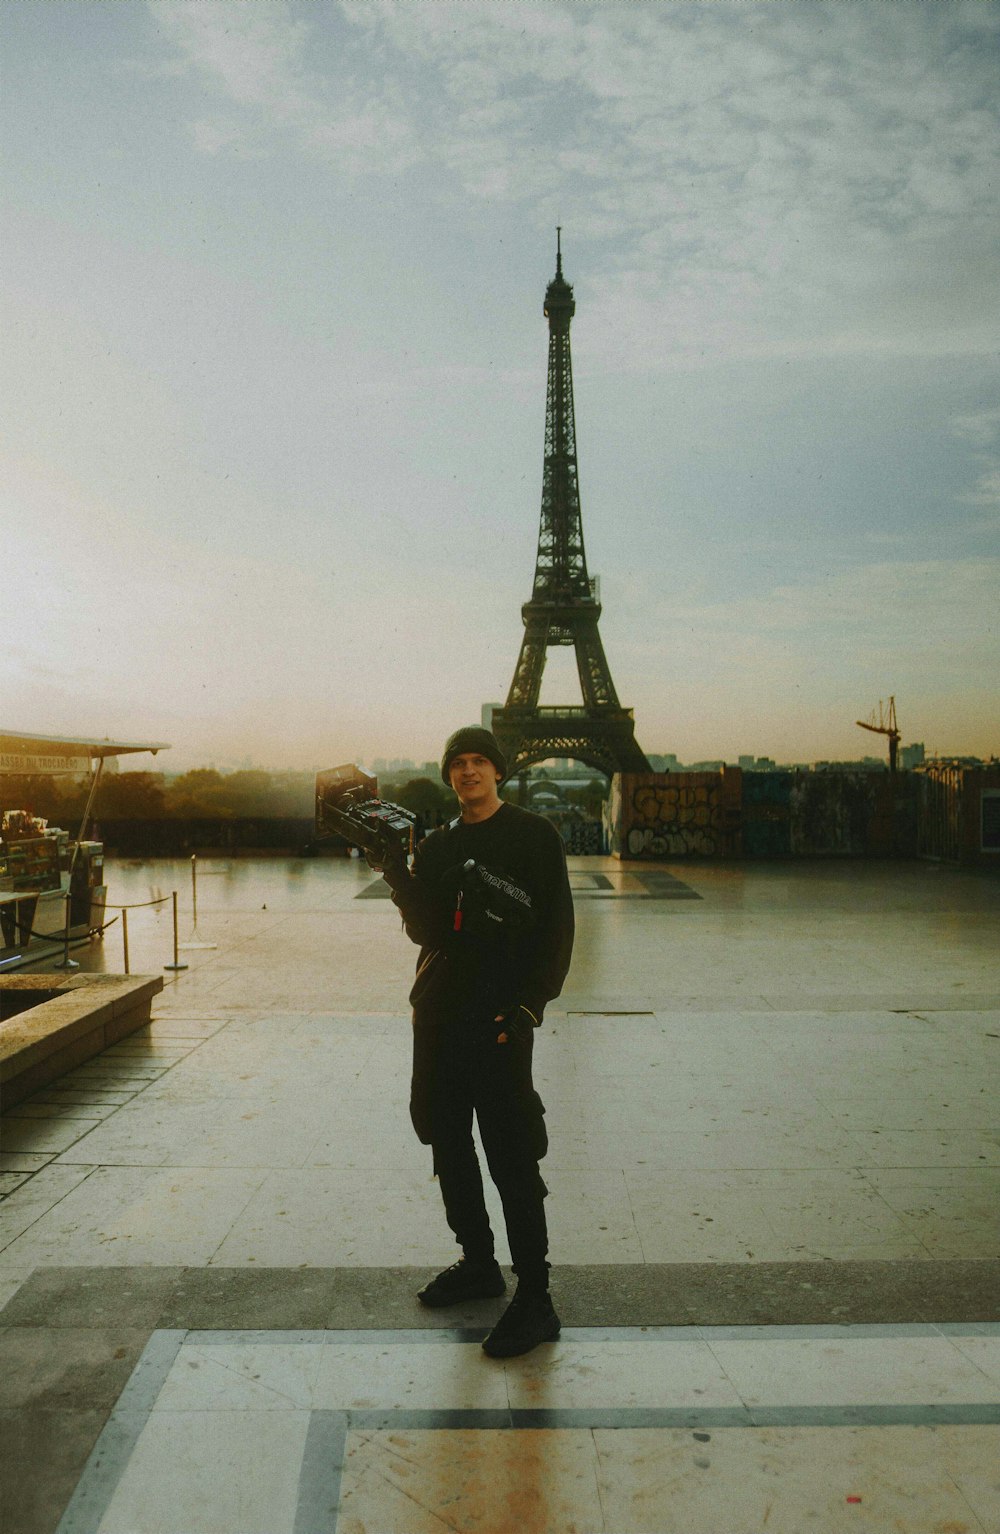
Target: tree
(186, 794)
(131, 796)
(250, 793)
(242, 794)
(424, 797)
(39, 795)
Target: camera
(347, 805)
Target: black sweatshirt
(496, 934)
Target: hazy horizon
(275, 400)
(173, 767)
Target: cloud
(258, 54)
(888, 115)
(982, 428)
(986, 492)
(769, 179)
(941, 612)
(260, 58)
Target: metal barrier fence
(194, 941)
(139, 905)
(27, 931)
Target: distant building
(866, 764)
(911, 756)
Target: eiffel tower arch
(565, 603)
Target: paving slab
(771, 1104)
(43, 1453)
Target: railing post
(195, 939)
(66, 962)
(125, 934)
(176, 964)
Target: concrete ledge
(85, 1014)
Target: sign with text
(21, 765)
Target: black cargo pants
(459, 1069)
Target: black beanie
(472, 738)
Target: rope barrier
(144, 905)
(104, 926)
(50, 937)
(65, 935)
(139, 905)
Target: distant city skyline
(275, 384)
(661, 761)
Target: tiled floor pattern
(716, 1137)
(841, 935)
(689, 1429)
(771, 1096)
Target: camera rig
(347, 805)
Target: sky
(275, 362)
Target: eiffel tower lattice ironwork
(564, 608)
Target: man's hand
(389, 858)
(516, 1023)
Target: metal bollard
(176, 964)
(66, 962)
(125, 935)
(195, 941)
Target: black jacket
(489, 904)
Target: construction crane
(886, 726)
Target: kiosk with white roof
(50, 882)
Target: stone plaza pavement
(772, 1099)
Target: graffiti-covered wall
(677, 814)
(766, 814)
(762, 814)
(840, 812)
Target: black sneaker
(464, 1280)
(528, 1320)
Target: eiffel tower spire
(564, 608)
(561, 567)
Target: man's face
(474, 778)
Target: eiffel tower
(564, 606)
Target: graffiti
(666, 842)
(671, 817)
(777, 814)
(833, 812)
(582, 837)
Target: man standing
(488, 902)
